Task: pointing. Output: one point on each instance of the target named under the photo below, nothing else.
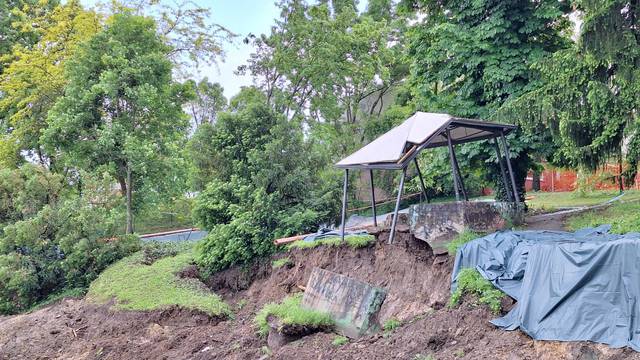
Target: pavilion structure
(400, 146)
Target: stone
(352, 304)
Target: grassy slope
(551, 201)
(290, 311)
(624, 217)
(135, 286)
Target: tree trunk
(129, 209)
(535, 181)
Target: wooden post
(424, 189)
(395, 212)
(373, 199)
(516, 197)
(453, 166)
(502, 171)
(344, 203)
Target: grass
(391, 325)
(57, 296)
(549, 201)
(471, 282)
(354, 241)
(340, 340)
(623, 216)
(462, 238)
(135, 286)
(290, 312)
(276, 264)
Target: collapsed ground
(418, 284)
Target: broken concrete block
(353, 304)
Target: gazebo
(399, 147)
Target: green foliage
(471, 282)
(290, 312)
(353, 241)
(276, 264)
(391, 325)
(461, 239)
(91, 128)
(340, 340)
(135, 286)
(265, 183)
(154, 250)
(623, 217)
(64, 245)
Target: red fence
(553, 180)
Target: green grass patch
(340, 340)
(354, 241)
(290, 312)
(276, 264)
(462, 238)
(135, 286)
(624, 217)
(550, 201)
(471, 282)
(391, 325)
(57, 296)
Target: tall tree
(121, 108)
(34, 76)
(208, 101)
(471, 57)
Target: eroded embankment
(416, 280)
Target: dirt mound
(418, 285)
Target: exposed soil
(418, 288)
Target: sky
(241, 17)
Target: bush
(64, 245)
(290, 312)
(340, 340)
(471, 282)
(155, 250)
(391, 325)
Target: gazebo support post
(344, 203)
(395, 212)
(457, 177)
(502, 171)
(453, 166)
(424, 189)
(516, 197)
(373, 199)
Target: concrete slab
(353, 304)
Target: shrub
(462, 238)
(340, 340)
(290, 312)
(154, 250)
(471, 282)
(64, 245)
(391, 325)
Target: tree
(208, 102)
(266, 181)
(590, 99)
(34, 76)
(121, 108)
(469, 58)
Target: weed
(276, 264)
(470, 281)
(462, 238)
(423, 357)
(391, 325)
(340, 340)
(290, 311)
(353, 241)
(240, 304)
(459, 353)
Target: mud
(418, 285)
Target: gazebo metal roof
(399, 147)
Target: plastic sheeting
(582, 286)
